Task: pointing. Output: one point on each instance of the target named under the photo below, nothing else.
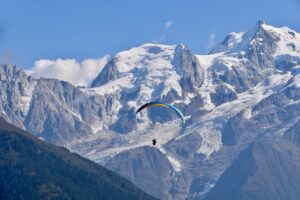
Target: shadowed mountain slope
(33, 169)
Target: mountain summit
(260, 36)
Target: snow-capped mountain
(146, 73)
(246, 88)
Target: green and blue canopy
(157, 103)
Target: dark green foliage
(33, 169)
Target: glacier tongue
(104, 145)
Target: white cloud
(79, 74)
(168, 24)
(211, 42)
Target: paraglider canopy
(179, 113)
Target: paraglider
(179, 113)
(154, 142)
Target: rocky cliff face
(264, 170)
(244, 89)
(16, 92)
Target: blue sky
(49, 29)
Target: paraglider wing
(152, 104)
(179, 113)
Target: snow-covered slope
(247, 87)
(149, 72)
(148, 66)
(138, 76)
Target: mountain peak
(141, 60)
(239, 41)
(10, 69)
(283, 38)
(260, 23)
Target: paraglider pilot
(154, 141)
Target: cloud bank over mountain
(77, 73)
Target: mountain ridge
(32, 168)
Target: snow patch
(296, 81)
(248, 113)
(175, 163)
(25, 100)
